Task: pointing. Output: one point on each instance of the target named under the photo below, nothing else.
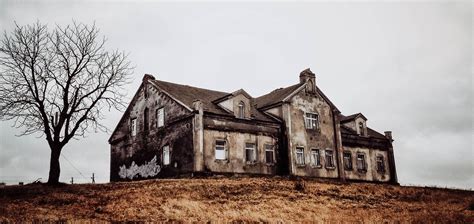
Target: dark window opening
(347, 161)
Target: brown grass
(235, 199)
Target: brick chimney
(307, 76)
(388, 135)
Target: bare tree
(59, 82)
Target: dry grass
(235, 199)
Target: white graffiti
(149, 169)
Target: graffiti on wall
(149, 169)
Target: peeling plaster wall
(371, 174)
(321, 139)
(136, 151)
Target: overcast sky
(406, 66)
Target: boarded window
(250, 152)
(380, 164)
(220, 152)
(160, 117)
(347, 160)
(166, 155)
(300, 155)
(311, 121)
(329, 159)
(269, 154)
(145, 120)
(361, 162)
(241, 112)
(133, 126)
(315, 157)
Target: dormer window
(361, 128)
(241, 112)
(310, 86)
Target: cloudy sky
(406, 66)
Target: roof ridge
(185, 85)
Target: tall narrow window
(166, 155)
(311, 121)
(347, 161)
(315, 157)
(145, 120)
(133, 126)
(250, 154)
(299, 155)
(361, 129)
(329, 159)
(380, 164)
(310, 86)
(220, 151)
(269, 154)
(160, 117)
(361, 162)
(241, 112)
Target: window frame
(308, 121)
(317, 163)
(301, 153)
(269, 148)
(241, 110)
(157, 114)
(326, 155)
(362, 161)
(254, 152)
(133, 126)
(349, 166)
(167, 147)
(361, 128)
(380, 159)
(224, 149)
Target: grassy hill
(235, 199)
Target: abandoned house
(170, 130)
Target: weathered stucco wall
(140, 156)
(322, 139)
(371, 174)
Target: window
(361, 128)
(133, 126)
(241, 113)
(145, 120)
(299, 155)
(329, 159)
(380, 164)
(269, 154)
(361, 162)
(166, 155)
(160, 117)
(347, 160)
(220, 152)
(310, 86)
(250, 155)
(311, 121)
(315, 157)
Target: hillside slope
(235, 199)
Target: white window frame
(241, 110)
(362, 162)
(329, 153)
(311, 122)
(316, 157)
(160, 117)
(166, 155)
(220, 151)
(299, 154)
(253, 147)
(133, 126)
(269, 148)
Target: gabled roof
(188, 94)
(372, 140)
(344, 119)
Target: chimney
(148, 76)
(388, 135)
(307, 76)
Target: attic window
(310, 86)
(241, 112)
(361, 128)
(133, 126)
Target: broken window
(315, 157)
(160, 117)
(311, 121)
(329, 159)
(166, 155)
(133, 126)
(361, 128)
(241, 112)
(347, 160)
(220, 152)
(380, 164)
(361, 162)
(300, 155)
(250, 154)
(269, 154)
(145, 120)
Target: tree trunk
(54, 168)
